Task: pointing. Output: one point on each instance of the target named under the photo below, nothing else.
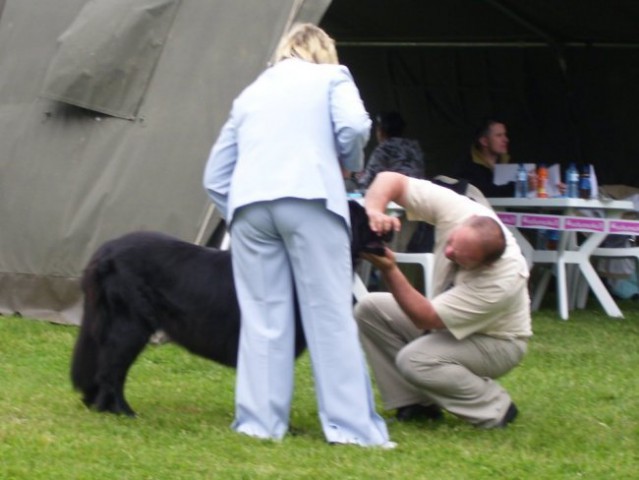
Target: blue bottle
(521, 182)
(552, 238)
(585, 187)
(572, 181)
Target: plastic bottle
(585, 187)
(542, 179)
(572, 181)
(552, 238)
(521, 182)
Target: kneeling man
(446, 352)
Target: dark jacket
(396, 154)
(482, 178)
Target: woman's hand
(561, 186)
(532, 182)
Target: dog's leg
(123, 344)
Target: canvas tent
(108, 108)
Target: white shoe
(387, 446)
(383, 446)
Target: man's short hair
(491, 235)
(483, 128)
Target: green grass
(577, 391)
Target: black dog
(143, 282)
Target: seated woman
(393, 152)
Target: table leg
(540, 288)
(600, 290)
(582, 258)
(562, 291)
(527, 249)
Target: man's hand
(381, 223)
(418, 308)
(385, 263)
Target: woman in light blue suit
(276, 174)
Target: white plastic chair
(607, 252)
(618, 252)
(426, 260)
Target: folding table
(566, 216)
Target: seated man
(478, 322)
(490, 147)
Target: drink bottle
(572, 181)
(521, 183)
(542, 179)
(552, 238)
(585, 187)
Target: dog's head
(364, 240)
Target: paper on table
(507, 172)
(594, 186)
(554, 179)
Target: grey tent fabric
(107, 56)
(71, 178)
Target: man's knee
(421, 370)
(366, 310)
(361, 309)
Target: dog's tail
(84, 363)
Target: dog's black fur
(143, 282)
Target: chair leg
(425, 260)
(540, 289)
(582, 292)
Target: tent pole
(526, 23)
(199, 238)
(552, 42)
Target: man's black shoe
(510, 416)
(418, 412)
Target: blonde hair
(307, 42)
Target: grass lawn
(577, 391)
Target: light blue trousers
(274, 246)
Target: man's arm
(387, 187)
(418, 308)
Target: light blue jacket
(287, 136)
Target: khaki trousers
(413, 368)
